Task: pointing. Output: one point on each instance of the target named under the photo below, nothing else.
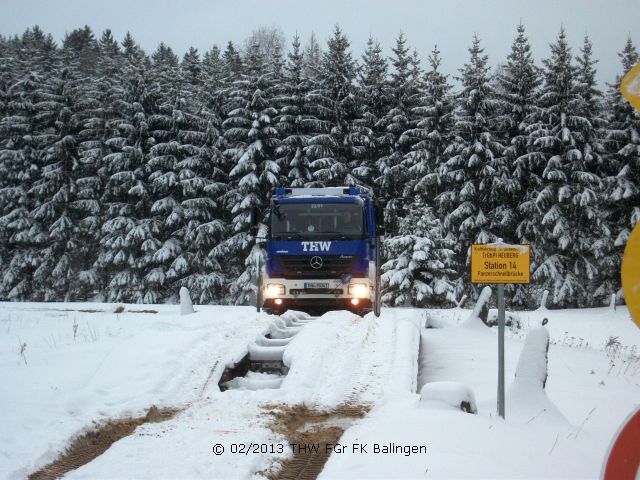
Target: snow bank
(532, 366)
(474, 321)
(526, 399)
(449, 394)
(403, 377)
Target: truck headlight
(358, 290)
(274, 289)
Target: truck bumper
(316, 306)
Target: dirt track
(304, 426)
(95, 442)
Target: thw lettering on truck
(316, 246)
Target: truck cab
(323, 250)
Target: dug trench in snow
(243, 369)
(263, 365)
(95, 442)
(317, 429)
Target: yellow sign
(631, 274)
(630, 86)
(500, 263)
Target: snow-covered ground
(119, 364)
(592, 388)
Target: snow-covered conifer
(294, 122)
(373, 99)
(469, 172)
(419, 270)
(397, 120)
(249, 130)
(517, 90)
(329, 149)
(432, 133)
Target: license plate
(316, 284)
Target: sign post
(500, 263)
(501, 349)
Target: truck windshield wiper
(290, 236)
(339, 235)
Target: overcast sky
(449, 23)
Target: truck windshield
(330, 220)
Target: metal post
(259, 283)
(501, 350)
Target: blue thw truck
(323, 251)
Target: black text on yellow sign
(500, 264)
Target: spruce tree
(19, 168)
(469, 171)
(127, 242)
(330, 150)
(252, 142)
(432, 134)
(373, 99)
(396, 122)
(203, 178)
(294, 122)
(312, 55)
(563, 212)
(518, 82)
(55, 194)
(419, 271)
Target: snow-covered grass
(80, 367)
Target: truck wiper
(293, 236)
(338, 235)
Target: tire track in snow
(375, 362)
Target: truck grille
(316, 291)
(299, 266)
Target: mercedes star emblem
(316, 262)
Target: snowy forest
(124, 175)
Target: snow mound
(526, 400)
(186, 305)
(295, 315)
(474, 321)
(283, 325)
(279, 330)
(403, 376)
(255, 381)
(453, 394)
